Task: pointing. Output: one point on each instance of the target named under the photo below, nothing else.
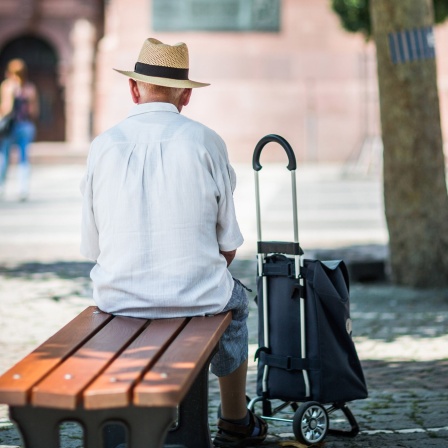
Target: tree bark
(415, 190)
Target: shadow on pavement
(60, 269)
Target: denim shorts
(233, 345)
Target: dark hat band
(161, 72)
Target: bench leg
(38, 429)
(192, 430)
(142, 435)
(147, 427)
(40, 426)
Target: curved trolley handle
(292, 165)
(264, 247)
(282, 247)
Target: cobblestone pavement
(400, 334)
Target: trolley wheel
(310, 423)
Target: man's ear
(135, 93)
(185, 97)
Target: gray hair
(170, 94)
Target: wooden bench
(149, 376)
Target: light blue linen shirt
(157, 209)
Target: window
(216, 15)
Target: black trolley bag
(306, 353)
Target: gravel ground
(400, 334)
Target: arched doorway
(42, 62)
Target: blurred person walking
(18, 98)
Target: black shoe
(231, 435)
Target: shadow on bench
(149, 376)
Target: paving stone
(401, 334)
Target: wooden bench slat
(113, 388)
(192, 348)
(63, 387)
(17, 382)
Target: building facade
(58, 39)
(275, 66)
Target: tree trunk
(415, 190)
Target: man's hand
(229, 256)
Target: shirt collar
(152, 107)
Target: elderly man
(159, 220)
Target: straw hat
(163, 65)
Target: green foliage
(440, 10)
(355, 14)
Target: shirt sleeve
(227, 228)
(232, 177)
(89, 231)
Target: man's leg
(237, 426)
(233, 393)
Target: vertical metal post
(264, 281)
(257, 205)
(298, 264)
